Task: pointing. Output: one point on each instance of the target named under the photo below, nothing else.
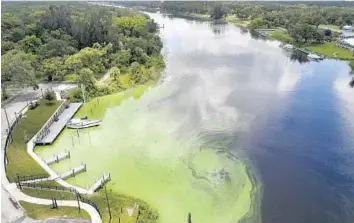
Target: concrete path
(18, 195)
(11, 211)
(105, 77)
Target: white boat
(81, 123)
(313, 56)
(288, 47)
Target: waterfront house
(347, 27)
(347, 44)
(346, 35)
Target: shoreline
(243, 25)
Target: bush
(49, 95)
(75, 95)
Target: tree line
(301, 19)
(78, 42)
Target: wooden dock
(104, 179)
(54, 129)
(73, 172)
(58, 158)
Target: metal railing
(47, 187)
(8, 139)
(22, 185)
(45, 130)
(30, 177)
(90, 202)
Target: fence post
(19, 183)
(78, 202)
(109, 208)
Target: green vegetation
(41, 212)
(236, 21)
(78, 42)
(281, 36)
(332, 27)
(117, 202)
(49, 95)
(303, 23)
(331, 50)
(19, 160)
(351, 65)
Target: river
(237, 130)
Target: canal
(237, 130)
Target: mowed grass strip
(236, 21)
(41, 212)
(332, 51)
(31, 122)
(281, 36)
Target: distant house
(347, 44)
(347, 27)
(346, 35)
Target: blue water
(304, 150)
(295, 118)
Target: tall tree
(217, 12)
(86, 78)
(17, 68)
(54, 68)
(115, 72)
(30, 44)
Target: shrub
(49, 95)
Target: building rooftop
(347, 27)
(347, 35)
(349, 41)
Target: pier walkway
(73, 172)
(104, 179)
(53, 129)
(58, 158)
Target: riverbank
(21, 163)
(329, 49)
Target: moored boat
(80, 123)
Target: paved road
(10, 210)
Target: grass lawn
(41, 212)
(117, 203)
(32, 121)
(331, 50)
(281, 36)
(236, 21)
(48, 194)
(332, 27)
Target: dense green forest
(78, 42)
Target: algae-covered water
(157, 154)
(237, 130)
